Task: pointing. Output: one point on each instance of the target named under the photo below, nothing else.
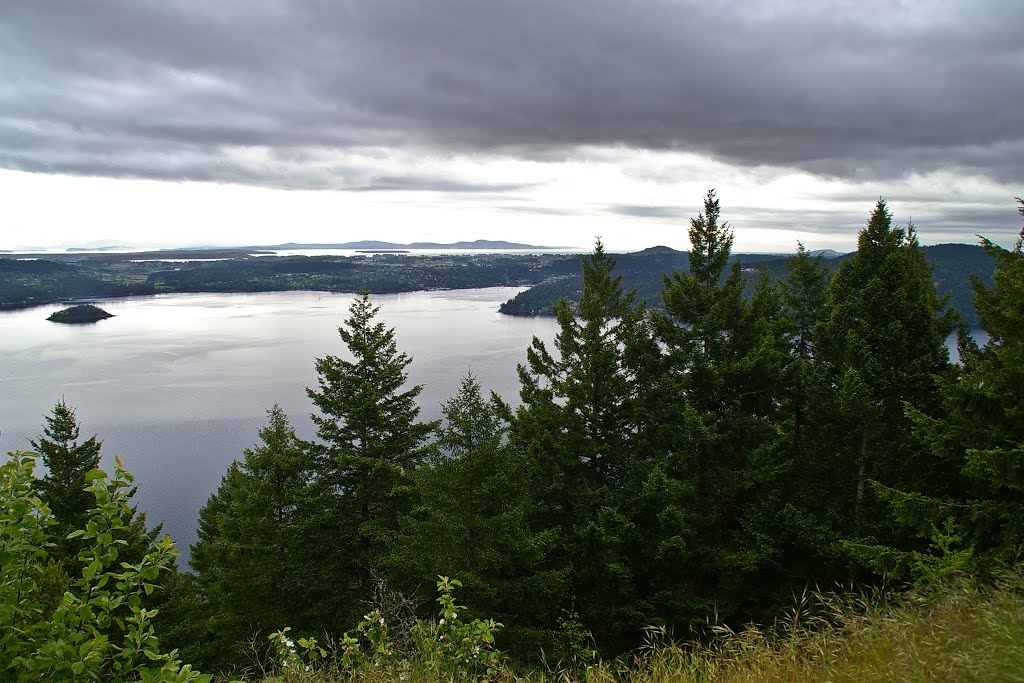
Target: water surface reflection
(178, 385)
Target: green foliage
(724, 360)
(471, 424)
(295, 661)
(472, 518)
(577, 430)
(882, 347)
(453, 647)
(371, 441)
(63, 487)
(979, 432)
(100, 629)
(253, 549)
(664, 470)
(590, 383)
(448, 648)
(957, 630)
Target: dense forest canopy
(679, 463)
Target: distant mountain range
(482, 245)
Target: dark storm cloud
(174, 89)
(640, 211)
(935, 220)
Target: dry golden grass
(963, 633)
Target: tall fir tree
(883, 346)
(578, 427)
(805, 305)
(591, 379)
(472, 520)
(792, 506)
(252, 558)
(722, 370)
(63, 487)
(976, 517)
(371, 441)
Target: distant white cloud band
(526, 105)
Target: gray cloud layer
(265, 92)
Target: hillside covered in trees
(954, 266)
(692, 465)
(61, 277)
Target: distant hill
(66, 277)
(954, 265)
(482, 245)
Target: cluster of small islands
(548, 273)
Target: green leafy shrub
(98, 629)
(453, 647)
(449, 648)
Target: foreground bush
(965, 632)
(90, 627)
(448, 648)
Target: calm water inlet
(178, 385)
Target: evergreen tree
(883, 346)
(471, 424)
(63, 487)
(371, 442)
(805, 305)
(719, 392)
(578, 428)
(252, 554)
(591, 380)
(472, 520)
(980, 434)
(790, 498)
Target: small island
(85, 313)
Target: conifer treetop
(711, 243)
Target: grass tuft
(961, 632)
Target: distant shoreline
(49, 279)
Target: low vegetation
(957, 631)
(89, 623)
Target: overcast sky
(544, 121)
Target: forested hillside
(551, 276)
(690, 469)
(34, 282)
(954, 266)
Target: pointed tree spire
(371, 440)
(710, 243)
(63, 487)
